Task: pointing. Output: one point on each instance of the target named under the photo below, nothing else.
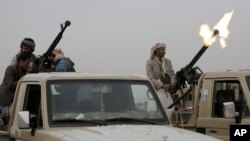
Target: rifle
(44, 62)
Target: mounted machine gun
(44, 63)
(189, 74)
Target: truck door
(30, 102)
(215, 123)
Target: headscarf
(155, 47)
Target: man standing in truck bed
(160, 72)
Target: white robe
(165, 98)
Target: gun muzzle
(201, 51)
(67, 23)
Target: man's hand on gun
(166, 86)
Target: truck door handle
(213, 131)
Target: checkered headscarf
(155, 47)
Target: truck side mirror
(33, 124)
(23, 119)
(26, 121)
(229, 110)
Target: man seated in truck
(7, 89)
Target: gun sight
(67, 23)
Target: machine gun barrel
(196, 57)
(42, 60)
(201, 51)
(189, 73)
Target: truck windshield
(103, 101)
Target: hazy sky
(115, 36)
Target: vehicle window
(102, 100)
(143, 98)
(32, 103)
(229, 91)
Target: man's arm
(171, 71)
(11, 79)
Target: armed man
(160, 72)
(24, 62)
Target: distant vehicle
(219, 100)
(80, 106)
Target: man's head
(27, 45)
(24, 60)
(57, 54)
(158, 50)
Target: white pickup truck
(85, 107)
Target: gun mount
(44, 62)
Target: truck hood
(129, 133)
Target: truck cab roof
(76, 75)
(227, 73)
